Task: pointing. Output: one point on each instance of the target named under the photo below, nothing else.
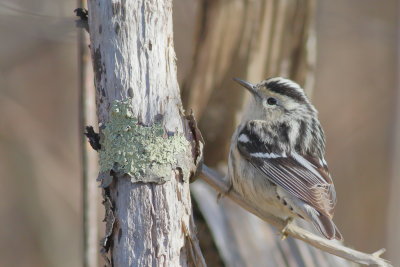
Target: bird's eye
(272, 101)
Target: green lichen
(145, 153)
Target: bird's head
(277, 99)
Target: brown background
(356, 87)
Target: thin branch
(216, 181)
(87, 116)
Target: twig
(88, 157)
(216, 181)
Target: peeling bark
(134, 61)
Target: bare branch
(217, 181)
(87, 115)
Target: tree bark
(148, 212)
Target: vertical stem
(87, 116)
(393, 219)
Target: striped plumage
(277, 156)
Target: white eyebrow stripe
(243, 138)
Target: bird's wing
(303, 176)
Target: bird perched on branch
(276, 159)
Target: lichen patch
(145, 153)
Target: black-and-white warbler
(277, 160)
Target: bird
(276, 158)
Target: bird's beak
(251, 87)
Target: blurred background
(351, 59)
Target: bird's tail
(326, 227)
(323, 223)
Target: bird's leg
(284, 234)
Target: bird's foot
(284, 233)
(223, 194)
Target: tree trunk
(147, 145)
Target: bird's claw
(284, 233)
(223, 194)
